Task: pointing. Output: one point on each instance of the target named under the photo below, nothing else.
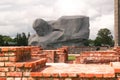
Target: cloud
(18, 16)
(104, 21)
(101, 13)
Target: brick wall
(15, 54)
(16, 63)
(53, 56)
(97, 57)
(78, 50)
(50, 54)
(84, 72)
(36, 49)
(16, 60)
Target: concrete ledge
(76, 70)
(116, 66)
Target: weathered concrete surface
(81, 70)
(116, 66)
(117, 22)
(66, 31)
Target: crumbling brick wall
(59, 55)
(55, 56)
(16, 60)
(78, 50)
(97, 57)
(16, 63)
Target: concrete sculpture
(66, 31)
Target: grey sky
(17, 16)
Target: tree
(7, 40)
(21, 39)
(104, 38)
(97, 41)
(18, 38)
(24, 39)
(89, 42)
(1, 40)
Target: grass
(71, 58)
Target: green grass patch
(71, 58)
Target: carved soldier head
(41, 27)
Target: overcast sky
(17, 16)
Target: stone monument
(117, 22)
(66, 31)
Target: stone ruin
(66, 31)
(35, 63)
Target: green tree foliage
(7, 40)
(19, 40)
(22, 39)
(104, 38)
(97, 41)
(1, 40)
(91, 42)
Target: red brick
(89, 75)
(3, 59)
(37, 74)
(12, 59)
(108, 75)
(24, 78)
(26, 74)
(2, 55)
(42, 61)
(9, 64)
(117, 70)
(10, 54)
(39, 55)
(14, 74)
(80, 79)
(4, 49)
(10, 78)
(1, 64)
(55, 74)
(3, 69)
(38, 62)
(98, 75)
(46, 74)
(12, 68)
(72, 74)
(63, 75)
(30, 78)
(118, 78)
(30, 65)
(2, 74)
(97, 57)
(81, 74)
(19, 65)
(18, 79)
(2, 78)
